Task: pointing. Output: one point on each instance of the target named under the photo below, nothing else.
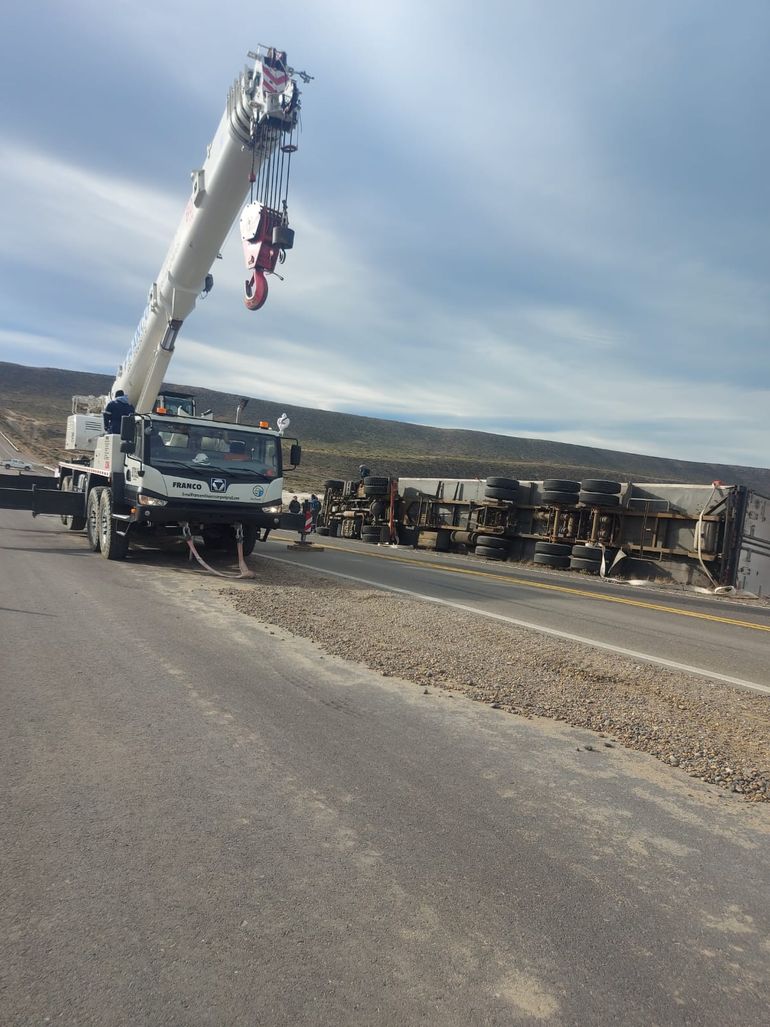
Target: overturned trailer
(713, 535)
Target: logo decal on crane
(218, 485)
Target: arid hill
(35, 402)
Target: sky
(542, 218)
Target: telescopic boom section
(251, 150)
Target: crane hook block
(266, 235)
(256, 290)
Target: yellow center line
(659, 607)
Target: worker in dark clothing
(115, 411)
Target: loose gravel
(714, 732)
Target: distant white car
(15, 462)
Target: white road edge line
(686, 668)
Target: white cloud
(481, 234)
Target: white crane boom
(262, 107)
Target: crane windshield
(201, 449)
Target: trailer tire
(587, 553)
(71, 521)
(375, 490)
(509, 495)
(609, 488)
(502, 483)
(560, 485)
(598, 499)
(555, 498)
(491, 542)
(577, 564)
(112, 545)
(92, 519)
(376, 480)
(334, 484)
(547, 560)
(374, 535)
(553, 548)
(491, 553)
(322, 530)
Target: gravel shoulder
(713, 732)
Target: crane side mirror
(295, 454)
(128, 435)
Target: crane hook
(255, 292)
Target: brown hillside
(35, 402)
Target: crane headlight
(150, 501)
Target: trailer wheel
(592, 566)
(374, 533)
(502, 483)
(509, 495)
(556, 498)
(491, 542)
(113, 545)
(376, 480)
(553, 548)
(92, 519)
(560, 485)
(587, 553)
(598, 499)
(71, 521)
(490, 552)
(546, 560)
(322, 530)
(334, 484)
(375, 490)
(610, 488)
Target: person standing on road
(315, 507)
(115, 411)
(294, 506)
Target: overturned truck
(711, 535)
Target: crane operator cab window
(199, 448)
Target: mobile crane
(169, 472)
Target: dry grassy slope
(34, 404)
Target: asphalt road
(716, 635)
(206, 822)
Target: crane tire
(92, 519)
(111, 545)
